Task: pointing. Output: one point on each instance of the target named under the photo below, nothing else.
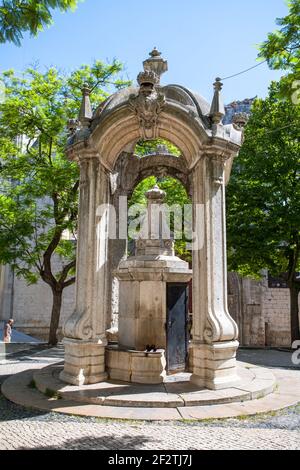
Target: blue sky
(201, 39)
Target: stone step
(171, 394)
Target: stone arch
(119, 129)
(130, 169)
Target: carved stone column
(214, 331)
(84, 331)
(117, 250)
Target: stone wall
(6, 283)
(262, 313)
(276, 305)
(31, 305)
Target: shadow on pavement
(9, 411)
(101, 443)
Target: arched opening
(178, 206)
(153, 274)
(179, 203)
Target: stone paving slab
(208, 397)
(258, 388)
(148, 399)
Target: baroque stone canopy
(103, 143)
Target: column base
(214, 365)
(84, 362)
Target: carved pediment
(147, 107)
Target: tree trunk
(294, 309)
(55, 314)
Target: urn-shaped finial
(155, 195)
(217, 110)
(156, 63)
(85, 113)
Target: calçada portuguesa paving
(22, 428)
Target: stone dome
(175, 94)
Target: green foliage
(19, 16)
(138, 195)
(263, 211)
(144, 147)
(52, 394)
(39, 186)
(32, 384)
(282, 48)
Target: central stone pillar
(143, 282)
(84, 331)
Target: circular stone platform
(260, 391)
(176, 391)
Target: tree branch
(65, 271)
(69, 282)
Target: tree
(19, 16)
(39, 196)
(282, 50)
(263, 211)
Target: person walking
(8, 331)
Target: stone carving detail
(218, 166)
(240, 120)
(113, 179)
(147, 107)
(212, 331)
(148, 104)
(78, 326)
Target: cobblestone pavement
(22, 428)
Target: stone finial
(155, 195)
(85, 113)
(155, 237)
(155, 52)
(155, 63)
(217, 109)
(148, 77)
(240, 120)
(72, 126)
